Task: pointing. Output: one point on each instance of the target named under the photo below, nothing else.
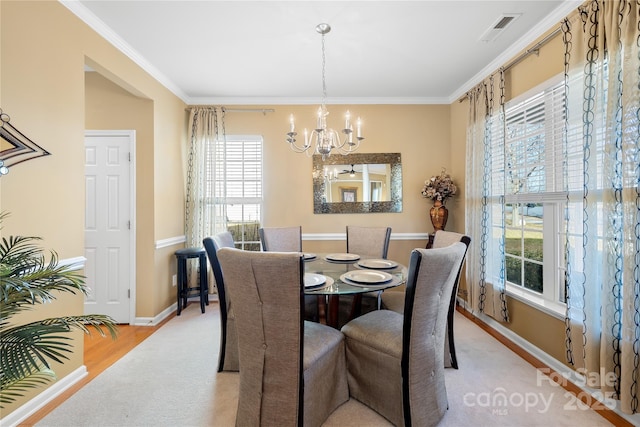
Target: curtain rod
(534, 49)
(236, 110)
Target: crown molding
(519, 46)
(104, 31)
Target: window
(530, 192)
(235, 179)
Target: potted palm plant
(26, 350)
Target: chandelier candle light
(322, 138)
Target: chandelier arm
(323, 138)
(291, 139)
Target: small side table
(430, 240)
(183, 281)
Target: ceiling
(268, 52)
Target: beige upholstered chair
(292, 372)
(394, 299)
(228, 356)
(289, 239)
(367, 241)
(395, 361)
(281, 239)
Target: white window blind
(533, 144)
(235, 176)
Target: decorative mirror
(357, 183)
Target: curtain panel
(602, 81)
(202, 219)
(484, 202)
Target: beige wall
(110, 107)
(43, 51)
(420, 133)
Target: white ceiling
(268, 52)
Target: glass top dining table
(335, 274)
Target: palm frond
(98, 322)
(24, 348)
(26, 351)
(27, 279)
(11, 390)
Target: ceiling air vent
(499, 26)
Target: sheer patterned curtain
(602, 156)
(484, 202)
(202, 219)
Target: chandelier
(322, 138)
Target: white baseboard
(153, 321)
(42, 399)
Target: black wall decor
(21, 147)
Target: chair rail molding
(171, 241)
(343, 236)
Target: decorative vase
(439, 215)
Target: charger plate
(367, 277)
(377, 264)
(342, 257)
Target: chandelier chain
(324, 82)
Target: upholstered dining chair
(367, 241)
(395, 361)
(292, 372)
(289, 239)
(228, 356)
(394, 299)
(281, 239)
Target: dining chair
(292, 372)
(289, 239)
(394, 299)
(368, 241)
(395, 361)
(228, 356)
(281, 239)
(372, 242)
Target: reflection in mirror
(357, 183)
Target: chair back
(267, 293)
(224, 239)
(431, 277)
(443, 238)
(281, 239)
(446, 238)
(368, 241)
(227, 361)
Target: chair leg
(204, 291)
(179, 285)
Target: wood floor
(99, 354)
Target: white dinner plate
(308, 256)
(311, 280)
(367, 276)
(328, 283)
(342, 257)
(380, 264)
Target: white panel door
(108, 219)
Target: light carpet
(170, 379)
